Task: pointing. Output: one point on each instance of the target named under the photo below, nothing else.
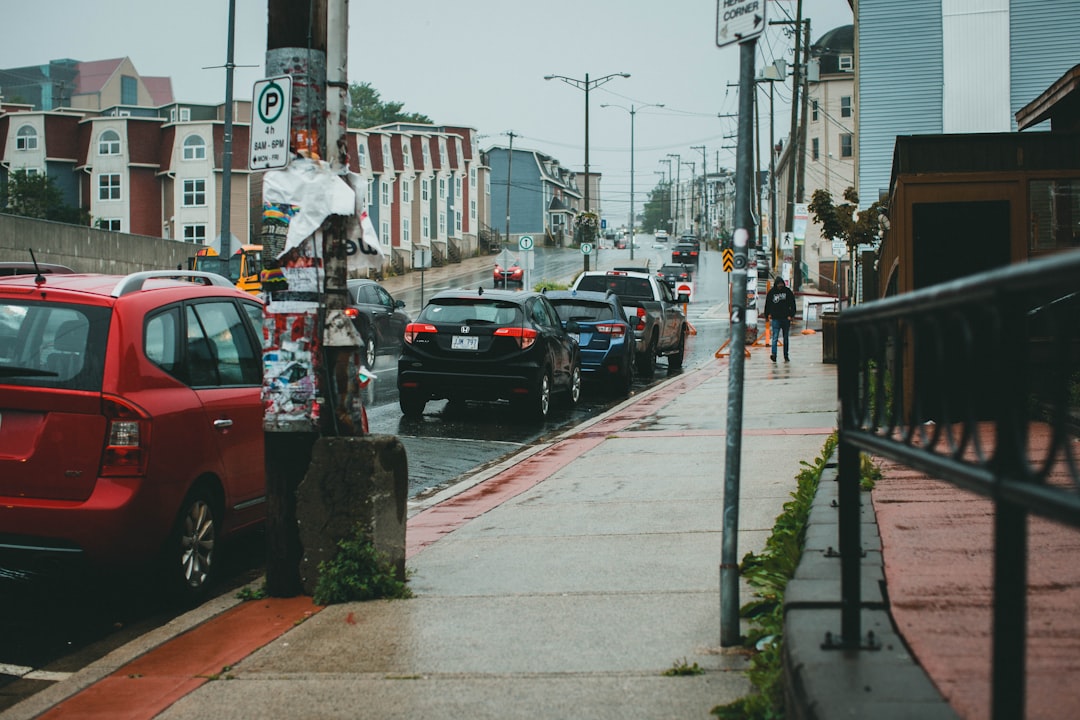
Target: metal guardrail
(975, 382)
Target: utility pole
(678, 191)
(789, 221)
(509, 169)
(226, 159)
(693, 171)
(704, 192)
(310, 318)
(586, 85)
(670, 204)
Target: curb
(886, 682)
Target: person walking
(779, 309)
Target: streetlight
(586, 85)
(633, 111)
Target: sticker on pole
(271, 115)
(738, 21)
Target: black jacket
(780, 303)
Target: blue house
(542, 196)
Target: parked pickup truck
(651, 309)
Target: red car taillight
(412, 330)
(352, 313)
(525, 336)
(127, 439)
(640, 319)
(613, 329)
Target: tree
(657, 212)
(844, 221)
(368, 110)
(36, 196)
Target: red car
(132, 425)
(506, 275)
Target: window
(109, 186)
(195, 234)
(847, 63)
(384, 188)
(219, 350)
(457, 222)
(426, 153)
(845, 145)
(185, 114)
(406, 231)
(472, 177)
(442, 188)
(815, 149)
(388, 160)
(814, 110)
(406, 192)
(472, 208)
(425, 192)
(425, 226)
(129, 90)
(194, 148)
(111, 224)
(1055, 205)
(194, 193)
(406, 159)
(845, 106)
(109, 143)
(361, 154)
(442, 223)
(385, 232)
(370, 190)
(442, 153)
(457, 186)
(26, 138)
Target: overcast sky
(477, 63)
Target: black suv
(686, 251)
(488, 345)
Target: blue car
(605, 338)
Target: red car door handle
(222, 424)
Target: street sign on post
(525, 242)
(270, 118)
(739, 20)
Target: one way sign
(738, 20)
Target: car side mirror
(399, 303)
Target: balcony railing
(975, 382)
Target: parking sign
(271, 116)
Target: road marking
(30, 673)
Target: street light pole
(586, 85)
(670, 207)
(633, 111)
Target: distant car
(378, 317)
(685, 252)
(488, 345)
(671, 274)
(606, 341)
(511, 274)
(29, 268)
(132, 422)
(661, 236)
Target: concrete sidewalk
(563, 583)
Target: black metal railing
(975, 382)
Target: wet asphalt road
(52, 627)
